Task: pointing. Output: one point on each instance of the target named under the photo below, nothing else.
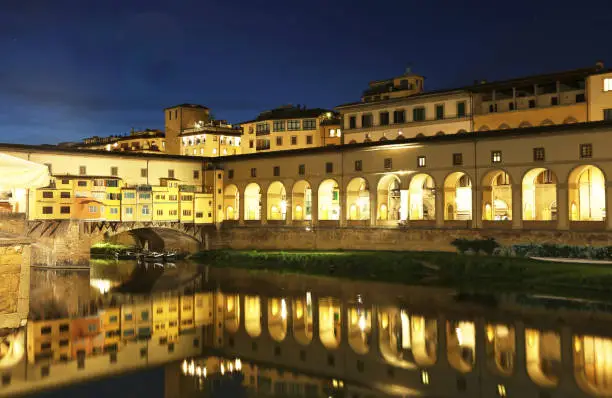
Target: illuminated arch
(461, 345)
(358, 199)
(359, 329)
(329, 200)
(539, 195)
(421, 197)
(302, 319)
(458, 196)
(592, 363)
(497, 196)
(232, 312)
(231, 202)
(484, 127)
(503, 126)
(546, 122)
(277, 201)
(252, 202)
(301, 200)
(587, 193)
(500, 348)
(388, 195)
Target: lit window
(225, 151)
(332, 133)
(496, 156)
(425, 377)
(201, 151)
(421, 162)
(501, 390)
(608, 84)
(214, 151)
(194, 151)
(338, 133)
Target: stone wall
(15, 276)
(286, 238)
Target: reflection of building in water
(59, 293)
(327, 340)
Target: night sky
(71, 69)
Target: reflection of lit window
(496, 156)
(332, 133)
(214, 151)
(421, 161)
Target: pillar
(241, 207)
(517, 206)
(477, 206)
(608, 219)
(315, 205)
(373, 206)
(289, 214)
(342, 202)
(264, 206)
(439, 207)
(562, 207)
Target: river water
(187, 330)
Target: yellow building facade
(290, 127)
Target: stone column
(517, 206)
(264, 206)
(477, 206)
(315, 206)
(608, 205)
(439, 212)
(342, 201)
(373, 206)
(289, 215)
(241, 207)
(562, 206)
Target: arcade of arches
(392, 198)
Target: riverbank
(466, 272)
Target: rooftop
(187, 106)
(289, 112)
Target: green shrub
(487, 246)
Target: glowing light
(425, 377)
(191, 370)
(283, 206)
(214, 151)
(459, 336)
(231, 367)
(238, 364)
(362, 323)
(204, 372)
(335, 383)
(501, 390)
(103, 285)
(222, 369)
(198, 371)
(185, 367)
(283, 309)
(490, 333)
(308, 298)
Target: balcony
(264, 132)
(263, 147)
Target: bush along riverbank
(466, 272)
(105, 249)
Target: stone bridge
(68, 242)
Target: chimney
(599, 65)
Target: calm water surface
(124, 330)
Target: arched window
(524, 124)
(440, 133)
(484, 128)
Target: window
(279, 141)
(114, 171)
(554, 101)
(538, 154)
(607, 84)
(251, 144)
(366, 120)
(187, 213)
(388, 163)
(358, 165)
(82, 170)
(329, 167)
(532, 103)
(460, 109)
(309, 140)
(262, 128)
(129, 211)
(160, 212)
(418, 114)
(607, 114)
(47, 195)
(64, 328)
(310, 124)
(143, 173)
(45, 330)
(82, 183)
(293, 125)
(45, 346)
(230, 174)
(439, 111)
(276, 171)
(399, 116)
(65, 195)
(196, 174)
(352, 122)
(302, 169)
(511, 106)
(65, 210)
(421, 162)
(253, 172)
(129, 195)
(384, 118)
(580, 97)
(92, 209)
(170, 173)
(145, 210)
(586, 151)
(496, 156)
(493, 108)
(279, 125)
(47, 210)
(457, 159)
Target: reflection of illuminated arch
(301, 200)
(232, 313)
(497, 196)
(277, 201)
(302, 319)
(389, 198)
(461, 345)
(539, 195)
(592, 361)
(359, 329)
(358, 199)
(543, 357)
(524, 124)
(252, 315)
(421, 197)
(330, 322)
(329, 200)
(252, 202)
(277, 318)
(500, 349)
(570, 120)
(587, 192)
(458, 196)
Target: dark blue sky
(71, 69)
